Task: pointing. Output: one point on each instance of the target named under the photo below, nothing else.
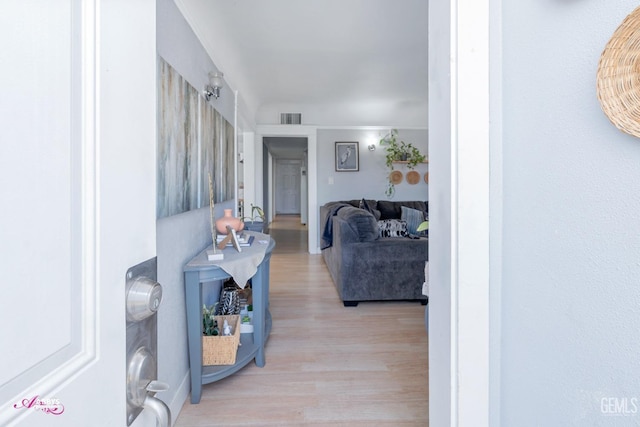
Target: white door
(77, 179)
(288, 186)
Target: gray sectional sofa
(365, 266)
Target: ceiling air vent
(290, 118)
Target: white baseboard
(179, 398)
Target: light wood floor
(327, 365)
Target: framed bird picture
(347, 157)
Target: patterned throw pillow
(392, 228)
(413, 217)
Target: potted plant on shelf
(256, 222)
(399, 151)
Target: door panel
(69, 227)
(288, 186)
(35, 173)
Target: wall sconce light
(213, 90)
(372, 147)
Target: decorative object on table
(413, 177)
(244, 239)
(426, 177)
(228, 220)
(229, 299)
(399, 152)
(213, 254)
(618, 76)
(246, 320)
(234, 238)
(226, 329)
(221, 349)
(347, 157)
(231, 238)
(256, 221)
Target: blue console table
(200, 270)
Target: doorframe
(464, 313)
(309, 132)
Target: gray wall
(571, 232)
(182, 236)
(371, 180)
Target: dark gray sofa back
(393, 210)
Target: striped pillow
(413, 218)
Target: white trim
(310, 132)
(460, 314)
(470, 229)
(235, 151)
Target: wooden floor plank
(327, 365)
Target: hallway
(326, 365)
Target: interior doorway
(285, 176)
(287, 188)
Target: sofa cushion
(361, 222)
(393, 210)
(414, 218)
(392, 228)
(369, 206)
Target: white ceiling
(323, 53)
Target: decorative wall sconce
(372, 147)
(213, 90)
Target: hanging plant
(399, 151)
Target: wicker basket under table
(222, 350)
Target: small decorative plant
(209, 323)
(256, 221)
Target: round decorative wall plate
(413, 177)
(426, 177)
(395, 177)
(618, 76)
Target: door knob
(143, 298)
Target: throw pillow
(367, 206)
(392, 228)
(413, 217)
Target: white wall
(182, 236)
(371, 180)
(570, 229)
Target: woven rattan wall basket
(618, 76)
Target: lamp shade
(216, 79)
